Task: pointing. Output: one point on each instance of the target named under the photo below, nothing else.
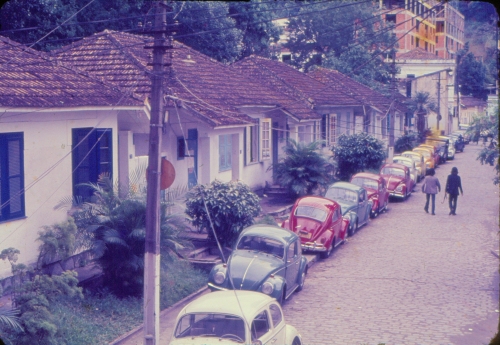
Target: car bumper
(313, 247)
(397, 195)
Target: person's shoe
(454, 214)
(433, 214)
(451, 212)
(426, 210)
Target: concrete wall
(47, 171)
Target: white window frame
(265, 139)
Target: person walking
(453, 185)
(430, 187)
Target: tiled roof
(418, 54)
(362, 93)
(288, 80)
(469, 101)
(29, 78)
(212, 90)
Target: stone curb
(122, 339)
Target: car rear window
(365, 182)
(262, 244)
(347, 195)
(210, 325)
(310, 212)
(393, 171)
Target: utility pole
(152, 246)
(439, 101)
(393, 114)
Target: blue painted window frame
(11, 176)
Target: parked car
(376, 189)
(435, 153)
(419, 160)
(397, 177)
(319, 223)
(442, 146)
(266, 258)
(428, 156)
(410, 164)
(233, 317)
(354, 202)
(464, 134)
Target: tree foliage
(471, 75)
(225, 31)
(231, 207)
(303, 169)
(356, 153)
(332, 30)
(117, 230)
(420, 105)
(58, 241)
(405, 142)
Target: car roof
(409, 160)
(317, 202)
(242, 303)
(411, 153)
(368, 175)
(394, 165)
(270, 231)
(345, 185)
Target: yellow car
(428, 156)
(419, 160)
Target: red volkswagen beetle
(376, 189)
(319, 223)
(398, 180)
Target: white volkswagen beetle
(233, 317)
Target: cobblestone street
(409, 277)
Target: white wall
(47, 172)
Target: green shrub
(406, 142)
(356, 153)
(58, 242)
(303, 169)
(231, 207)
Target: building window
(417, 42)
(225, 150)
(92, 158)
(265, 138)
(332, 129)
(412, 40)
(426, 46)
(301, 134)
(384, 125)
(390, 18)
(11, 176)
(286, 58)
(348, 123)
(317, 131)
(252, 144)
(186, 147)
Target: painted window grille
(225, 149)
(11, 176)
(333, 128)
(252, 144)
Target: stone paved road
(409, 277)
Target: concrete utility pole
(393, 114)
(439, 101)
(152, 246)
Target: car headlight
(267, 288)
(219, 277)
(399, 188)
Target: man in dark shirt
(453, 185)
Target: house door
(192, 147)
(275, 139)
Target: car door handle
(273, 340)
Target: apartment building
(450, 36)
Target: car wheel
(344, 240)
(355, 227)
(375, 213)
(296, 341)
(302, 281)
(281, 299)
(328, 252)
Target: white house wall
(47, 172)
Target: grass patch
(102, 317)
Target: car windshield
(311, 212)
(211, 325)
(336, 193)
(424, 153)
(402, 161)
(414, 157)
(262, 244)
(393, 171)
(365, 182)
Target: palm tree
(420, 105)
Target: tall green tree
(471, 75)
(420, 105)
(329, 30)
